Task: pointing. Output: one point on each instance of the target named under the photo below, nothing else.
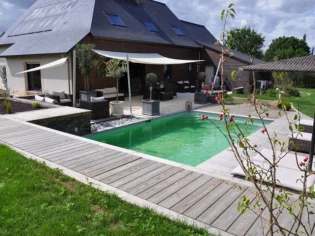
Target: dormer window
(115, 19)
(151, 26)
(177, 30)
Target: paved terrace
(181, 192)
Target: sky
(271, 18)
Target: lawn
(37, 200)
(305, 103)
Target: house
(49, 30)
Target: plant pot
(117, 108)
(200, 98)
(211, 99)
(150, 107)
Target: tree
(115, 68)
(246, 40)
(287, 47)
(87, 62)
(265, 175)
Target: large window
(178, 31)
(33, 78)
(114, 19)
(151, 26)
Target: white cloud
(271, 18)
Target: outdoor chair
(98, 106)
(168, 93)
(61, 98)
(183, 86)
(302, 140)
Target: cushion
(113, 95)
(60, 94)
(186, 82)
(111, 90)
(39, 98)
(49, 100)
(62, 101)
(99, 99)
(180, 82)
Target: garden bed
(19, 106)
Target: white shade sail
(144, 58)
(53, 64)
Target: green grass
(37, 200)
(305, 103)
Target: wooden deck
(200, 197)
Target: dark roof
(49, 27)
(299, 64)
(133, 15)
(201, 35)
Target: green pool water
(183, 138)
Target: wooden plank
(184, 192)
(57, 153)
(160, 187)
(113, 166)
(22, 137)
(260, 227)
(159, 197)
(74, 152)
(233, 221)
(9, 134)
(154, 181)
(63, 146)
(112, 158)
(209, 199)
(88, 159)
(42, 143)
(309, 227)
(196, 196)
(144, 178)
(87, 152)
(214, 211)
(121, 172)
(135, 175)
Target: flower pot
(150, 107)
(117, 108)
(200, 98)
(211, 99)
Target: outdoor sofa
(302, 140)
(99, 107)
(307, 124)
(110, 94)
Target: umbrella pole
(310, 159)
(74, 78)
(129, 89)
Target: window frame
(150, 22)
(108, 14)
(176, 28)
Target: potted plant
(149, 106)
(115, 68)
(87, 63)
(201, 97)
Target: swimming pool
(183, 137)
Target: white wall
(53, 79)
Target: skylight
(150, 26)
(115, 20)
(178, 31)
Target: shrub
(286, 106)
(291, 91)
(201, 76)
(271, 92)
(5, 102)
(8, 107)
(36, 105)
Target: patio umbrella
(300, 64)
